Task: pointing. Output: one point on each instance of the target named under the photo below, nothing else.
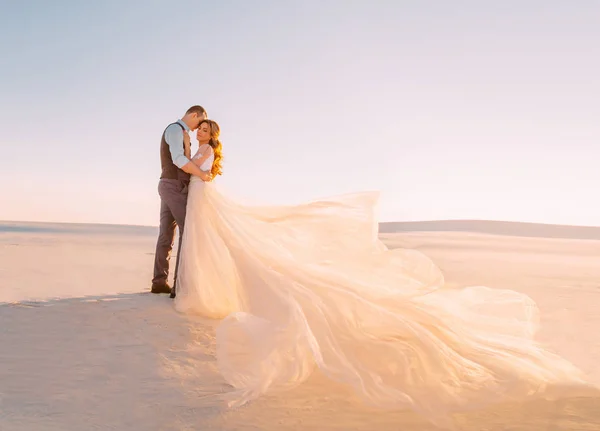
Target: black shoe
(173, 294)
(160, 288)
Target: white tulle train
(312, 285)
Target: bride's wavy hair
(215, 143)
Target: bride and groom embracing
(310, 286)
(178, 169)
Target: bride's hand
(187, 150)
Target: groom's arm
(174, 138)
(192, 169)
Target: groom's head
(194, 116)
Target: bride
(306, 286)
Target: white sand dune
(102, 355)
(530, 230)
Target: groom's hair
(196, 109)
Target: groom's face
(198, 119)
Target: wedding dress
(311, 285)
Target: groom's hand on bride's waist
(192, 169)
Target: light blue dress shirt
(174, 138)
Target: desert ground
(84, 346)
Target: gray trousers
(173, 200)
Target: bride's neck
(200, 143)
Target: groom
(176, 167)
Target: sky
(452, 110)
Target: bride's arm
(180, 152)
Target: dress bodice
(207, 165)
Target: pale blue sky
(463, 109)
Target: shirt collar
(185, 126)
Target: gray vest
(169, 169)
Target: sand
(81, 348)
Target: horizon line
(381, 222)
